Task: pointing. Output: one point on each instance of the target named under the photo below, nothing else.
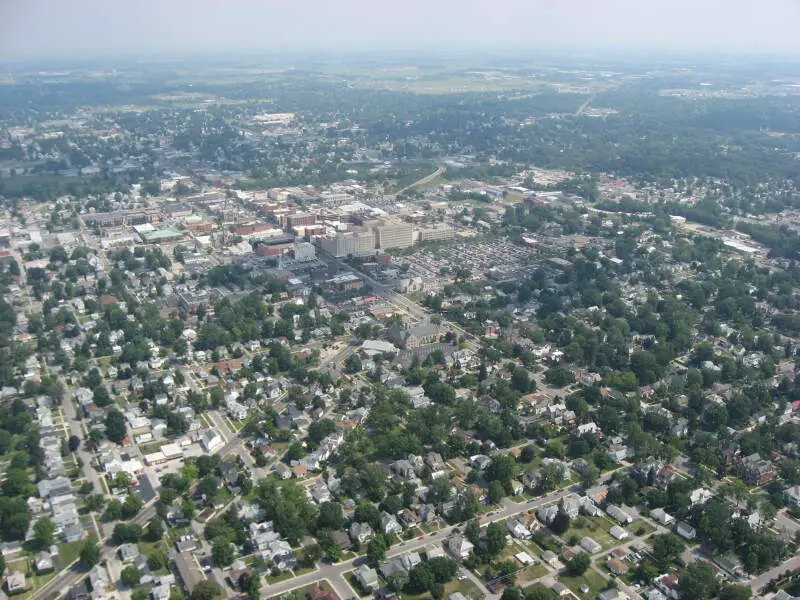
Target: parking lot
(490, 259)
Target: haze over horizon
(39, 29)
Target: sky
(102, 28)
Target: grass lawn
(302, 571)
(531, 574)
(69, 552)
(33, 581)
(466, 587)
(147, 548)
(640, 527)
(303, 592)
(282, 577)
(351, 579)
(593, 527)
(591, 578)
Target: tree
(697, 582)
(222, 553)
(90, 554)
(578, 564)
(495, 539)
(319, 430)
(352, 364)
(330, 516)
(560, 523)
(155, 529)
(496, 492)
(666, 548)
(589, 476)
(208, 486)
(252, 586)
(125, 533)
(157, 559)
(43, 531)
(443, 568)
(527, 454)
(512, 593)
(472, 531)
(376, 550)
(732, 591)
(503, 469)
(559, 376)
(74, 443)
(204, 590)
(538, 592)
(368, 513)
(420, 579)
(129, 576)
(115, 426)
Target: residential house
(282, 471)
(128, 552)
(669, 586)
(389, 523)
(792, 496)
(43, 562)
(459, 546)
(361, 533)
(618, 533)
(617, 566)
(616, 513)
(280, 553)
(367, 578)
(619, 452)
(590, 545)
(98, 577)
(686, 531)
(319, 492)
(210, 440)
(550, 558)
(547, 514)
(571, 505)
(15, 582)
(700, 496)
(661, 516)
(755, 470)
(518, 529)
(341, 539)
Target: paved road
(787, 526)
(234, 445)
(422, 181)
(759, 582)
(334, 574)
(74, 573)
(76, 429)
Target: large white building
(303, 251)
(394, 235)
(434, 234)
(345, 244)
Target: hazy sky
(68, 28)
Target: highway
(334, 573)
(422, 181)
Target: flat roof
(160, 234)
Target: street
(334, 573)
